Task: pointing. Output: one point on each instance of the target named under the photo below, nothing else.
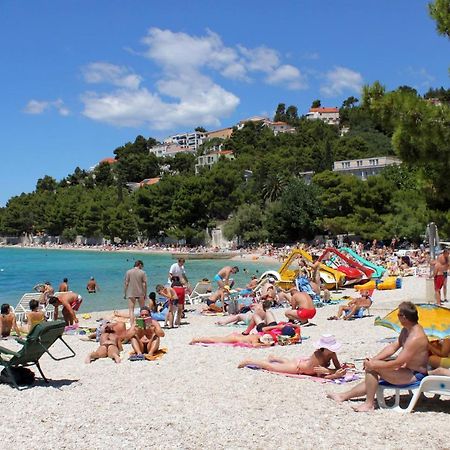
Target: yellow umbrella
(434, 319)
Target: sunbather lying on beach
(110, 346)
(262, 316)
(317, 364)
(349, 310)
(235, 318)
(255, 340)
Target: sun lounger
(431, 384)
(23, 307)
(38, 342)
(201, 291)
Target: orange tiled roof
(324, 110)
(149, 181)
(108, 160)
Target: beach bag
(22, 376)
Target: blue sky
(80, 78)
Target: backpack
(22, 376)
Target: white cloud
(102, 72)
(39, 107)
(341, 79)
(288, 75)
(187, 90)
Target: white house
(365, 167)
(327, 115)
(211, 158)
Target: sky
(80, 78)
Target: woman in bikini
(110, 346)
(317, 364)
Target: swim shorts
(181, 294)
(261, 325)
(217, 278)
(419, 375)
(306, 313)
(75, 305)
(438, 282)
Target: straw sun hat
(329, 342)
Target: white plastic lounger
(432, 384)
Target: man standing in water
(135, 288)
(408, 367)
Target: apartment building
(365, 167)
(327, 115)
(211, 158)
(186, 140)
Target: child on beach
(317, 364)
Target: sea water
(23, 268)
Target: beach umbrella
(434, 319)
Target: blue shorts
(217, 278)
(419, 375)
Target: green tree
(316, 104)
(440, 11)
(46, 184)
(280, 114)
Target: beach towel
(346, 379)
(303, 285)
(158, 355)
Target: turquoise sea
(23, 268)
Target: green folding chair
(38, 342)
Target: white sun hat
(329, 342)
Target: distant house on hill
(211, 158)
(191, 140)
(149, 181)
(276, 127)
(365, 167)
(223, 133)
(327, 115)
(163, 150)
(108, 161)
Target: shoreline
(249, 256)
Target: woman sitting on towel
(317, 364)
(255, 340)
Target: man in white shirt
(177, 270)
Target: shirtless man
(440, 271)
(64, 285)
(317, 364)
(353, 306)
(70, 302)
(223, 276)
(47, 291)
(110, 346)
(408, 367)
(255, 340)
(146, 341)
(302, 306)
(92, 286)
(7, 321)
(215, 297)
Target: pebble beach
(196, 397)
